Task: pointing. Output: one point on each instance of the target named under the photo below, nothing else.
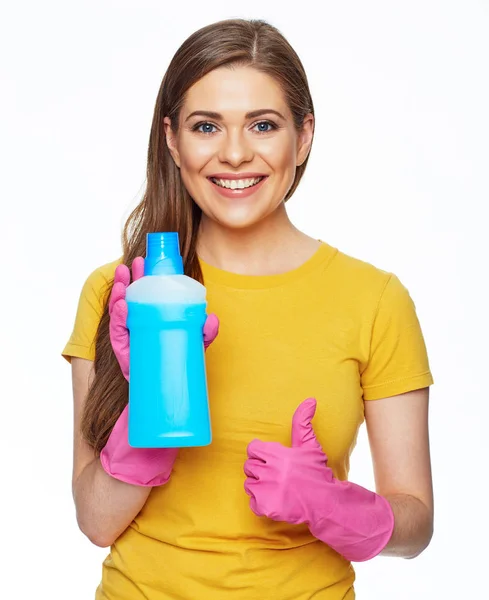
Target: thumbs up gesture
(296, 485)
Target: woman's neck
(274, 245)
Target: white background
(397, 177)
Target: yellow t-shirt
(337, 329)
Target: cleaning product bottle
(168, 402)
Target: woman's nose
(235, 148)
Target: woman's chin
(240, 225)
(243, 217)
(237, 219)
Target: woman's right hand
(138, 466)
(119, 334)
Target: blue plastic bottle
(168, 402)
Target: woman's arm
(398, 436)
(104, 505)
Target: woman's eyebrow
(250, 115)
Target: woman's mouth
(237, 188)
(234, 184)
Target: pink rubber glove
(296, 485)
(139, 466)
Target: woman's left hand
(296, 485)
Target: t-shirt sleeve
(89, 312)
(398, 360)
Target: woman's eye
(208, 125)
(263, 127)
(266, 123)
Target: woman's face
(235, 123)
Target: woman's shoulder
(358, 271)
(100, 279)
(106, 271)
(368, 283)
(367, 288)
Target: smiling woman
(260, 155)
(306, 332)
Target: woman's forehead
(234, 92)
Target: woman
(311, 342)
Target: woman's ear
(304, 140)
(171, 141)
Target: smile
(238, 188)
(236, 184)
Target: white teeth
(234, 184)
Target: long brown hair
(166, 204)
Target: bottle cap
(163, 254)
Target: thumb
(211, 329)
(302, 431)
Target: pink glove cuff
(129, 473)
(139, 466)
(359, 527)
